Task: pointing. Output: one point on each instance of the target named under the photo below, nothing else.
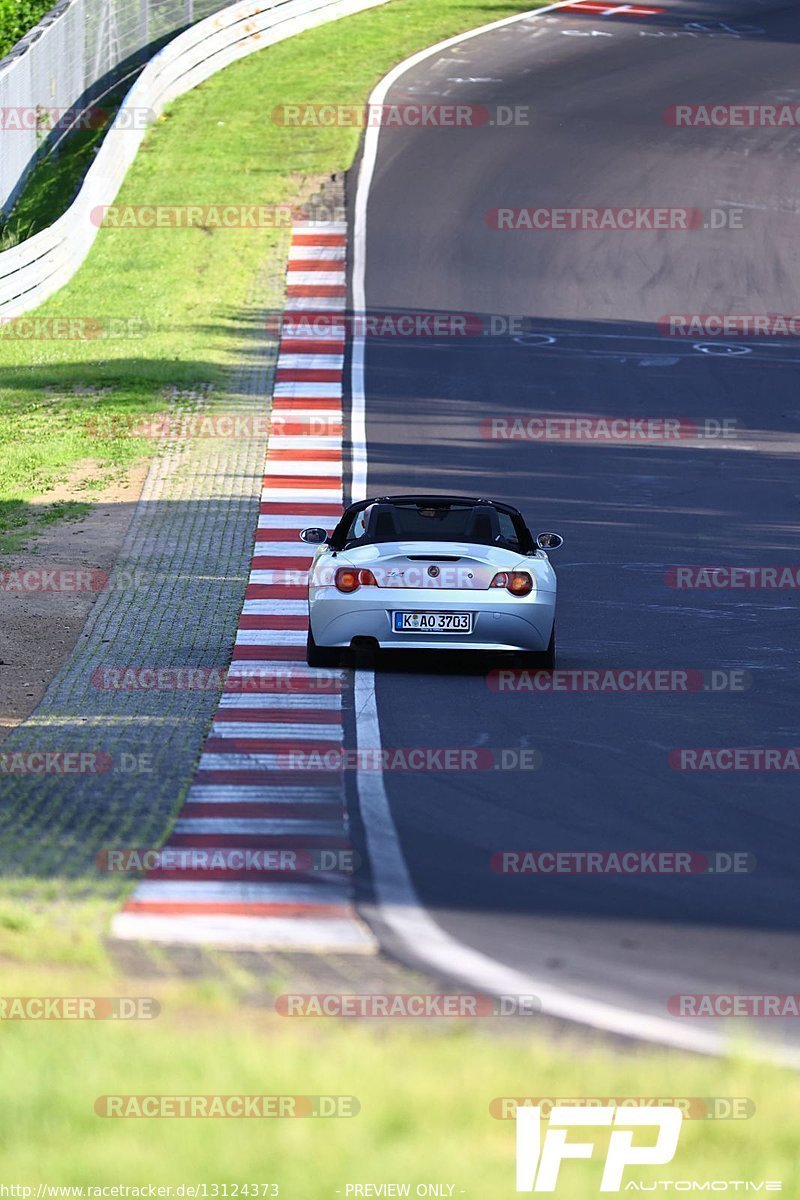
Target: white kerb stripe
(283, 608)
(289, 672)
(188, 891)
(302, 416)
(296, 549)
(320, 278)
(294, 520)
(314, 329)
(304, 467)
(296, 759)
(258, 827)
(328, 934)
(315, 303)
(310, 362)
(231, 701)
(310, 441)
(321, 226)
(290, 801)
(273, 491)
(295, 389)
(271, 637)
(275, 730)
(321, 253)
(280, 577)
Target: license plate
(432, 622)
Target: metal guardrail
(38, 267)
(77, 54)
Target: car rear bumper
(512, 622)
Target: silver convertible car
(431, 573)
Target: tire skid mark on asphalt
(246, 793)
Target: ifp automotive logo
(539, 1160)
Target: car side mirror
(314, 536)
(549, 541)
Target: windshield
(424, 522)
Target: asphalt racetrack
(589, 341)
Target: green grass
(17, 17)
(424, 1095)
(65, 922)
(55, 179)
(192, 288)
(19, 523)
(44, 442)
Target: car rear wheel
(321, 656)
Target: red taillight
(349, 580)
(346, 579)
(519, 583)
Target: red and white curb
(243, 796)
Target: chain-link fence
(39, 265)
(81, 53)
